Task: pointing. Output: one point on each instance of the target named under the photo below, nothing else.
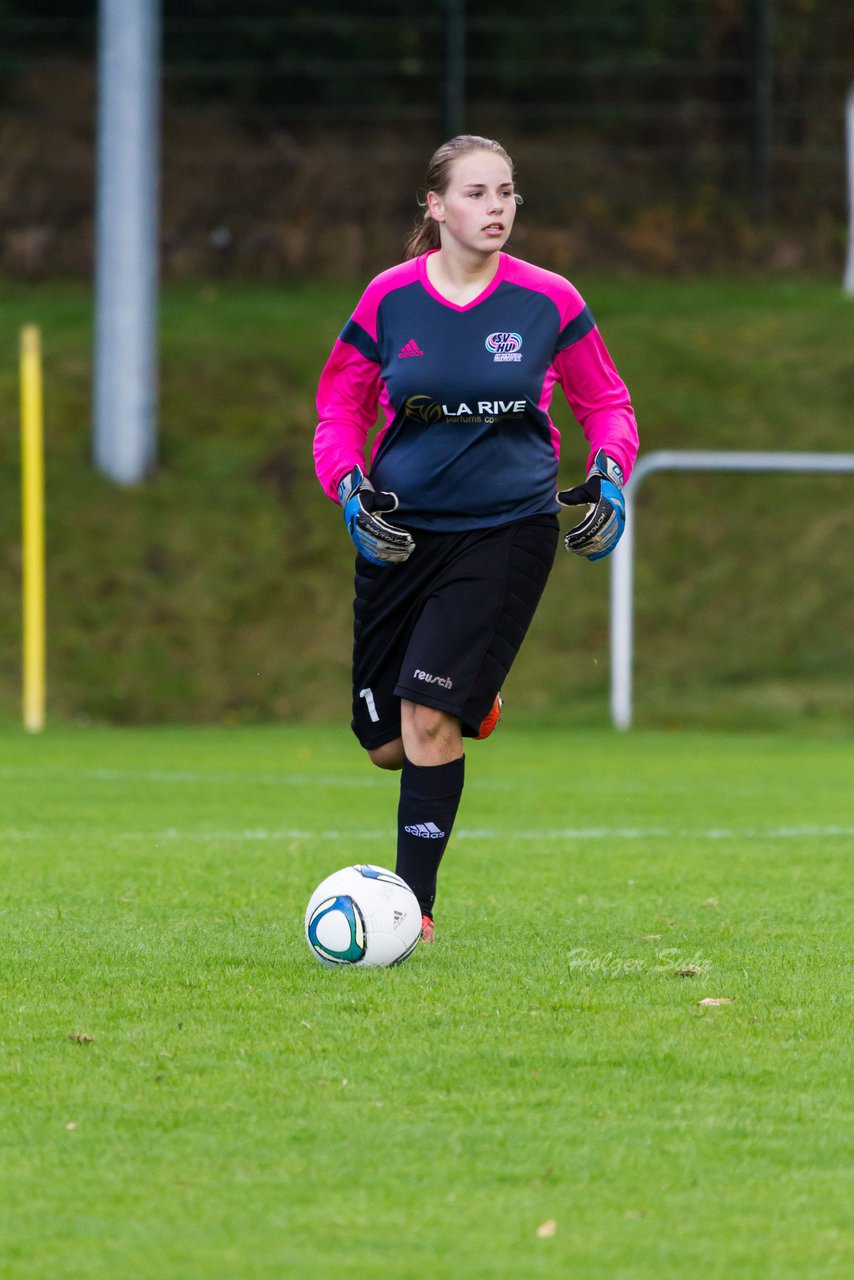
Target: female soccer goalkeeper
(455, 517)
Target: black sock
(429, 799)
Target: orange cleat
(490, 720)
(427, 929)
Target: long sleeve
(596, 393)
(347, 401)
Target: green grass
(187, 1095)
(220, 590)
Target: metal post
(763, 106)
(848, 284)
(126, 257)
(622, 606)
(455, 67)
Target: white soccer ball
(363, 915)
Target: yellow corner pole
(32, 506)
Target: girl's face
(477, 210)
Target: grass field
(187, 1095)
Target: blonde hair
(425, 234)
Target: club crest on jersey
(504, 347)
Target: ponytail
(423, 237)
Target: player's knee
(428, 728)
(426, 723)
(388, 756)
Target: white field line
(183, 776)
(368, 779)
(171, 835)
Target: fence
(649, 131)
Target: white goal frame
(622, 559)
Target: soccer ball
(363, 915)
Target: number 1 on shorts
(368, 695)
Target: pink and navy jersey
(463, 393)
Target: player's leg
(384, 608)
(388, 756)
(387, 607)
(431, 786)
(470, 629)
(430, 791)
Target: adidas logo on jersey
(411, 349)
(427, 830)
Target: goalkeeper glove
(377, 541)
(600, 530)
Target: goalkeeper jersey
(462, 393)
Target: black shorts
(443, 628)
